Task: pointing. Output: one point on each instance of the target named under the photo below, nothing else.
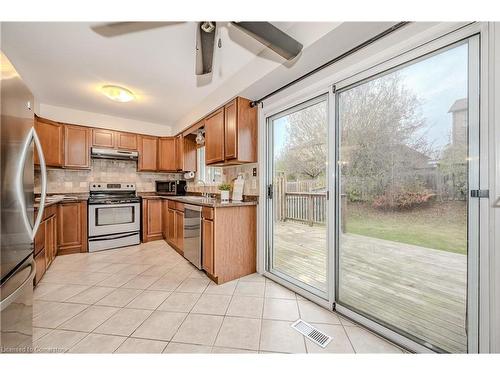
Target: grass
(441, 225)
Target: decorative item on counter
(238, 185)
(224, 192)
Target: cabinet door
(171, 226)
(148, 153)
(49, 240)
(76, 147)
(40, 238)
(230, 131)
(164, 218)
(208, 246)
(189, 152)
(72, 227)
(167, 161)
(179, 231)
(153, 225)
(40, 264)
(126, 141)
(214, 137)
(179, 153)
(51, 136)
(103, 138)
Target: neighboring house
(459, 122)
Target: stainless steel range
(114, 216)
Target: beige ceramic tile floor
(149, 299)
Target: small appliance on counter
(175, 187)
(114, 216)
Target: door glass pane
(299, 195)
(114, 215)
(403, 199)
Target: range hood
(109, 153)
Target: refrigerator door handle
(32, 136)
(13, 296)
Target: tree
(305, 150)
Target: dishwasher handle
(192, 208)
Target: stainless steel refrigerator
(17, 221)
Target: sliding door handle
(32, 136)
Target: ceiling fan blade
(109, 30)
(204, 50)
(272, 37)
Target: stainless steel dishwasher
(192, 234)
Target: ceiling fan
(265, 32)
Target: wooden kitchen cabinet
(214, 137)
(148, 153)
(50, 239)
(41, 266)
(167, 154)
(152, 228)
(72, 227)
(126, 141)
(179, 231)
(171, 226)
(164, 218)
(189, 153)
(51, 135)
(77, 141)
(208, 245)
(231, 134)
(103, 138)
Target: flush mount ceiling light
(117, 93)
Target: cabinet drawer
(179, 206)
(171, 204)
(208, 213)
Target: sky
(437, 81)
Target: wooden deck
(420, 290)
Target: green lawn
(441, 226)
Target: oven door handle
(108, 238)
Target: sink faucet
(204, 194)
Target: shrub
(402, 199)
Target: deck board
(421, 290)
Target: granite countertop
(198, 200)
(52, 199)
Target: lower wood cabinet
(208, 245)
(50, 239)
(171, 227)
(179, 230)
(41, 266)
(152, 228)
(72, 227)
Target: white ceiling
(65, 63)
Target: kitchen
(267, 196)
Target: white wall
(99, 120)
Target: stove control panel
(111, 186)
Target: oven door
(114, 218)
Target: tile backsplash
(230, 173)
(74, 181)
(66, 181)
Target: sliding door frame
(324, 299)
(477, 157)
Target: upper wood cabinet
(148, 153)
(188, 160)
(231, 134)
(76, 147)
(214, 137)
(167, 161)
(126, 141)
(103, 138)
(51, 136)
(240, 132)
(113, 139)
(179, 153)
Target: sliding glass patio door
(298, 196)
(407, 230)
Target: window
(207, 174)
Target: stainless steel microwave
(176, 187)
